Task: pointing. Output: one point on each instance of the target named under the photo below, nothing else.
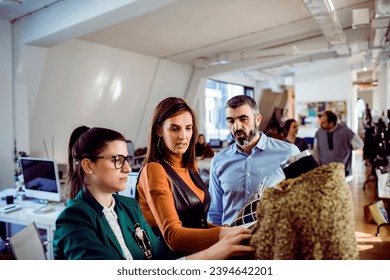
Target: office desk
(383, 187)
(383, 184)
(204, 169)
(26, 215)
(204, 163)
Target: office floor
(362, 197)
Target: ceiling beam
(324, 14)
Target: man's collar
(262, 143)
(334, 128)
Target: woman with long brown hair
(172, 196)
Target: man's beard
(245, 139)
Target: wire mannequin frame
(247, 214)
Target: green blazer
(83, 233)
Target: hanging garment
(309, 217)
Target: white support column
(351, 105)
(6, 107)
(387, 92)
(380, 98)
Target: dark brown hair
(86, 142)
(287, 124)
(168, 108)
(240, 100)
(331, 116)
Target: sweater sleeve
(155, 187)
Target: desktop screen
(130, 185)
(215, 143)
(41, 179)
(130, 149)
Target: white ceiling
(16, 9)
(212, 32)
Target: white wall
(381, 94)
(381, 98)
(94, 85)
(28, 76)
(7, 166)
(327, 80)
(387, 91)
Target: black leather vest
(192, 212)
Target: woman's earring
(90, 172)
(159, 145)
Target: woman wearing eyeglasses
(99, 224)
(172, 196)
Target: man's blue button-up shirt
(234, 175)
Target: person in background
(202, 149)
(381, 126)
(369, 148)
(367, 116)
(334, 142)
(237, 171)
(172, 196)
(99, 224)
(2, 232)
(291, 128)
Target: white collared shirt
(112, 220)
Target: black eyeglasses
(119, 160)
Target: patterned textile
(311, 217)
(112, 220)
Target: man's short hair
(331, 116)
(240, 100)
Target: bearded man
(238, 170)
(334, 142)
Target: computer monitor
(130, 185)
(41, 179)
(130, 149)
(215, 143)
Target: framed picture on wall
(308, 112)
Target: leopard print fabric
(309, 217)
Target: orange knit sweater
(158, 207)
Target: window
(216, 95)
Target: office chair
(27, 244)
